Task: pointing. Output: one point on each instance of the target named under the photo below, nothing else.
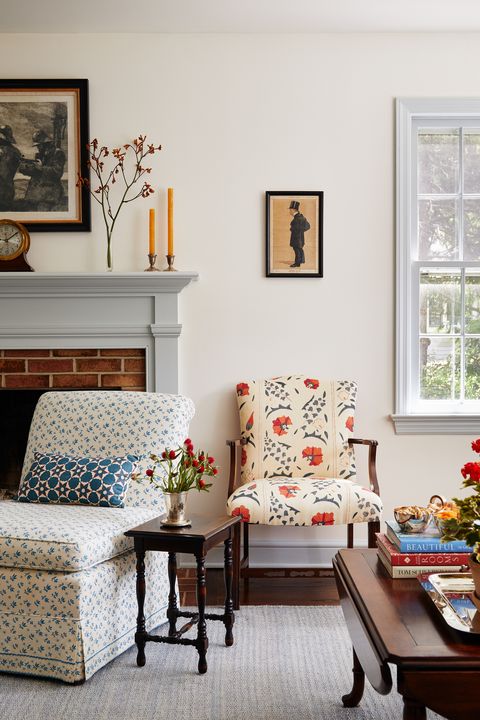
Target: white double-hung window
(438, 266)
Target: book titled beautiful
(405, 559)
(400, 571)
(426, 542)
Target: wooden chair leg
(373, 527)
(245, 560)
(350, 535)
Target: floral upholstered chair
(296, 458)
(67, 572)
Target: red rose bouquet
(181, 469)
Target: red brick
(26, 381)
(12, 366)
(50, 366)
(27, 353)
(99, 365)
(122, 380)
(123, 352)
(75, 353)
(72, 381)
(134, 365)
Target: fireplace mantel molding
(97, 310)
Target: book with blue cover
(428, 541)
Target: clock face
(13, 240)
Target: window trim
(406, 421)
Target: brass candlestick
(170, 268)
(152, 259)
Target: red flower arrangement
(280, 425)
(467, 525)
(181, 469)
(313, 454)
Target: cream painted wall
(237, 115)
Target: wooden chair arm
(234, 473)
(372, 460)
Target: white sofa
(67, 573)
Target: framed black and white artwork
(43, 138)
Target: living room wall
(238, 115)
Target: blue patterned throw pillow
(77, 480)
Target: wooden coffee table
(198, 538)
(393, 621)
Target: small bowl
(412, 524)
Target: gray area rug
(287, 663)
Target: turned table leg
(229, 617)
(355, 695)
(202, 639)
(172, 597)
(141, 632)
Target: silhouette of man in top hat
(45, 190)
(298, 228)
(10, 157)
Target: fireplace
(83, 331)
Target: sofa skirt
(67, 626)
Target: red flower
(323, 519)
(172, 455)
(311, 383)
(250, 422)
(471, 471)
(476, 446)
(201, 470)
(215, 471)
(244, 457)
(314, 455)
(164, 454)
(211, 459)
(149, 472)
(187, 442)
(288, 490)
(201, 483)
(349, 423)
(201, 457)
(243, 512)
(243, 389)
(280, 425)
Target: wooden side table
(198, 539)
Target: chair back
(296, 426)
(106, 424)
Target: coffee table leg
(229, 617)
(141, 632)
(172, 597)
(202, 639)
(356, 693)
(413, 710)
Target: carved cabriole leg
(413, 710)
(202, 639)
(355, 695)
(172, 597)
(229, 617)
(141, 632)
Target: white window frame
(408, 418)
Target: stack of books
(407, 555)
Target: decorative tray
(451, 595)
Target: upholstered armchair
(67, 572)
(294, 464)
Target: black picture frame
(56, 110)
(281, 257)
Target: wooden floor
(263, 590)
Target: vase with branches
(122, 167)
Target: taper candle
(151, 236)
(170, 221)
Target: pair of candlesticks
(152, 259)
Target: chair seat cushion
(65, 537)
(304, 501)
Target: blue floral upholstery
(297, 467)
(67, 573)
(65, 479)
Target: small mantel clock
(14, 245)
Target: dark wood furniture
(198, 539)
(393, 621)
(234, 481)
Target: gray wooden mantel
(97, 310)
